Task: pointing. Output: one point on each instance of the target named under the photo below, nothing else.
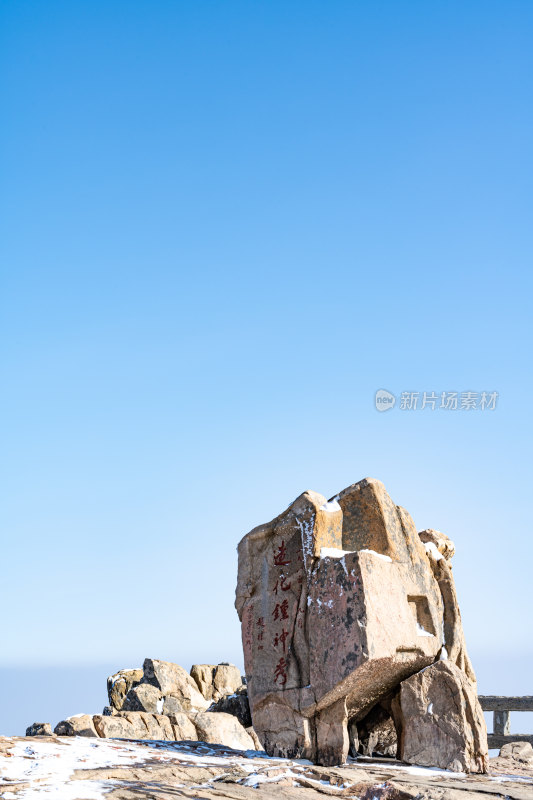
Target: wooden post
(502, 723)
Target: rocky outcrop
(119, 684)
(135, 725)
(216, 681)
(236, 704)
(204, 726)
(440, 550)
(163, 702)
(172, 680)
(340, 601)
(144, 697)
(520, 752)
(78, 725)
(162, 687)
(440, 720)
(515, 758)
(222, 728)
(39, 729)
(184, 728)
(317, 626)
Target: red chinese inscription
(281, 584)
(281, 610)
(280, 556)
(281, 638)
(280, 674)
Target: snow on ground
(62, 790)
(428, 772)
(47, 767)
(434, 772)
(43, 767)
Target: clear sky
(224, 226)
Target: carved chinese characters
(338, 604)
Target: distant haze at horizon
(49, 694)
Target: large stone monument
(341, 602)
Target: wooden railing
(502, 707)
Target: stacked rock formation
(163, 701)
(345, 612)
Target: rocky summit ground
(78, 768)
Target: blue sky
(224, 226)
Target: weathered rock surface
(515, 758)
(323, 642)
(440, 550)
(119, 726)
(441, 721)
(214, 681)
(174, 705)
(255, 738)
(56, 767)
(39, 729)
(78, 725)
(236, 704)
(222, 728)
(171, 679)
(376, 734)
(135, 725)
(522, 752)
(144, 697)
(164, 703)
(119, 684)
(184, 729)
